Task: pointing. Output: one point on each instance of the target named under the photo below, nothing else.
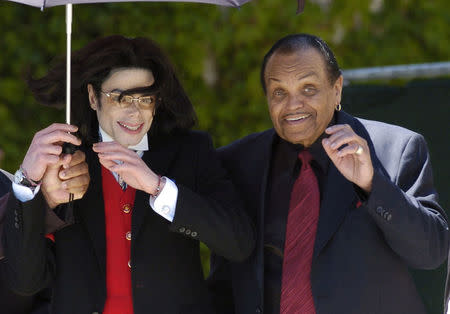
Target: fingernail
(326, 141)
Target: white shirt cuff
(23, 193)
(166, 201)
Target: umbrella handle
(69, 148)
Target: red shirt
(118, 209)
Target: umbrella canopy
(51, 3)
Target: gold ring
(360, 150)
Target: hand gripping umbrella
(68, 3)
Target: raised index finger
(59, 126)
(60, 136)
(337, 127)
(104, 147)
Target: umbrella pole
(68, 72)
(68, 57)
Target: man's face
(300, 97)
(127, 125)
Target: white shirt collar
(140, 147)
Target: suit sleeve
(213, 213)
(29, 258)
(407, 210)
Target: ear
(338, 88)
(93, 101)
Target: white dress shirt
(164, 204)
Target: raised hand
(353, 160)
(45, 149)
(125, 162)
(69, 175)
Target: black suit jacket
(166, 270)
(361, 255)
(447, 288)
(10, 302)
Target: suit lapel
(158, 158)
(262, 169)
(91, 210)
(339, 194)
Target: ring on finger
(360, 150)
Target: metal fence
(410, 71)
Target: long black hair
(93, 64)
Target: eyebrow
(116, 90)
(312, 73)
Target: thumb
(65, 160)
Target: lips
(130, 128)
(295, 118)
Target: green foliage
(224, 44)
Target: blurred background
(218, 51)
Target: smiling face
(300, 96)
(128, 125)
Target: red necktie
(296, 294)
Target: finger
(75, 183)
(345, 138)
(122, 156)
(74, 171)
(350, 150)
(332, 153)
(74, 159)
(66, 159)
(335, 136)
(47, 159)
(58, 126)
(78, 157)
(107, 163)
(59, 136)
(78, 193)
(337, 127)
(109, 147)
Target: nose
(294, 102)
(134, 109)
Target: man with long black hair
(157, 189)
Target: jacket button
(126, 208)
(193, 234)
(379, 210)
(188, 231)
(182, 229)
(388, 217)
(16, 225)
(128, 235)
(258, 310)
(95, 313)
